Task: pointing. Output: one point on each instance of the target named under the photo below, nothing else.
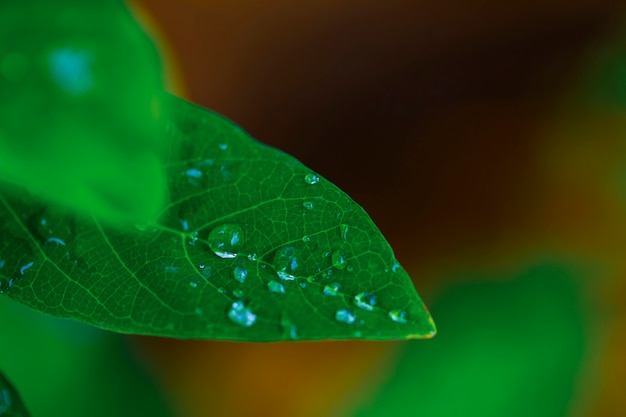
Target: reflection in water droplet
(238, 293)
(338, 259)
(287, 262)
(343, 229)
(308, 205)
(311, 178)
(276, 287)
(240, 274)
(193, 284)
(332, 289)
(56, 240)
(5, 284)
(241, 315)
(399, 316)
(26, 267)
(345, 316)
(226, 240)
(365, 300)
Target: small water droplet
(24, 268)
(332, 289)
(338, 259)
(5, 284)
(343, 230)
(205, 270)
(221, 290)
(365, 300)
(238, 293)
(199, 311)
(308, 205)
(2, 263)
(225, 240)
(194, 173)
(302, 284)
(252, 257)
(328, 273)
(306, 239)
(287, 262)
(240, 274)
(185, 225)
(241, 315)
(395, 267)
(399, 316)
(311, 178)
(311, 279)
(193, 284)
(345, 316)
(223, 146)
(350, 268)
(56, 240)
(276, 287)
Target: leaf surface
(253, 246)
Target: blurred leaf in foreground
(508, 349)
(81, 92)
(253, 246)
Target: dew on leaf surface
(343, 230)
(241, 315)
(287, 262)
(5, 284)
(311, 178)
(345, 316)
(365, 300)
(338, 259)
(332, 288)
(276, 287)
(399, 316)
(226, 240)
(308, 205)
(240, 274)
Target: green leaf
(253, 246)
(81, 88)
(10, 402)
(511, 348)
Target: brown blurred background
(473, 133)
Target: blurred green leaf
(65, 368)
(253, 246)
(511, 348)
(10, 402)
(81, 92)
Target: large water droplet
(240, 274)
(287, 262)
(365, 300)
(5, 284)
(332, 288)
(241, 315)
(345, 316)
(226, 240)
(308, 205)
(276, 287)
(338, 259)
(399, 316)
(311, 178)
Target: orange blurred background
(478, 134)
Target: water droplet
(328, 273)
(185, 225)
(223, 146)
(238, 293)
(221, 290)
(276, 287)
(365, 300)
(194, 173)
(193, 284)
(308, 205)
(225, 240)
(338, 259)
(332, 289)
(252, 257)
(399, 316)
(56, 240)
(199, 311)
(343, 229)
(205, 270)
(2, 263)
(311, 178)
(345, 316)
(241, 315)
(395, 267)
(287, 262)
(350, 268)
(240, 274)
(5, 284)
(26, 267)
(306, 239)
(302, 284)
